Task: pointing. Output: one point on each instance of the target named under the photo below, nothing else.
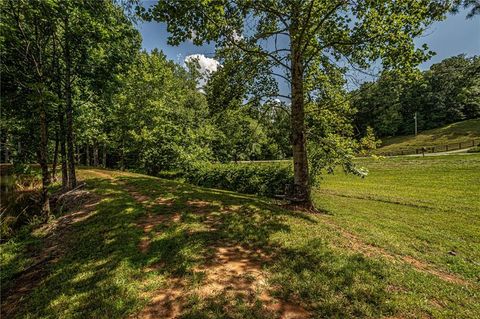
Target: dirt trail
(233, 271)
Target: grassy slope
(420, 207)
(451, 134)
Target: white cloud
(206, 66)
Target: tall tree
(296, 38)
(27, 63)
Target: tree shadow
(103, 273)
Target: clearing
(401, 243)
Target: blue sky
(453, 36)
(450, 37)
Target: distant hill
(453, 134)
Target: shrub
(266, 179)
(475, 149)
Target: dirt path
(232, 272)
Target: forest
(446, 93)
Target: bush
(265, 179)
(475, 149)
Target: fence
(432, 149)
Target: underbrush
(475, 149)
(265, 179)
(20, 198)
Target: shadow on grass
(104, 274)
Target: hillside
(453, 134)
(144, 247)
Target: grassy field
(401, 243)
(460, 132)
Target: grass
(348, 263)
(452, 134)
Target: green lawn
(452, 134)
(157, 248)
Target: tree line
(77, 89)
(446, 93)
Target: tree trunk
(63, 149)
(104, 160)
(55, 158)
(300, 161)
(122, 158)
(87, 153)
(42, 160)
(61, 118)
(77, 154)
(95, 154)
(72, 180)
(5, 148)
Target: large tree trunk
(72, 180)
(42, 160)
(300, 161)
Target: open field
(453, 134)
(401, 243)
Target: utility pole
(415, 117)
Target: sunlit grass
(104, 274)
(460, 132)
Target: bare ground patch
(232, 271)
(236, 271)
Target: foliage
(448, 92)
(159, 118)
(475, 149)
(472, 5)
(265, 179)
(308, 44)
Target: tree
(52, 53)
(448, 92)
(473, 5)
(97, 42)
(295, 39)
(159, 118)
(27, 64)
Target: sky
(453, 36)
